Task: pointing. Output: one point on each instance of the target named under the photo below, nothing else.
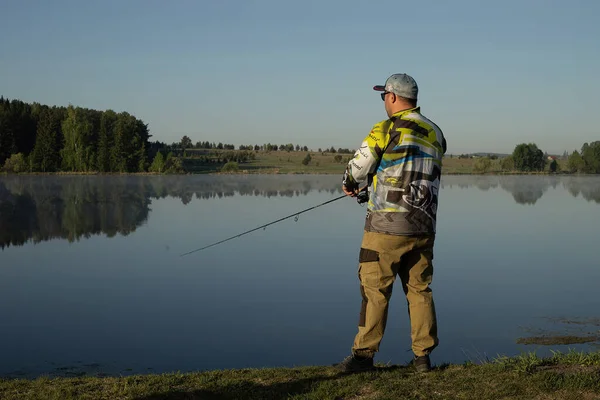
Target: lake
(92, 281)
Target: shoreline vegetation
(570, 375)
(36, 138)
(451, 169)
(324, 163)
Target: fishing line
(296, 214)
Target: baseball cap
(401, 84)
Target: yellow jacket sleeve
(366, 157)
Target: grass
(279, 162)
(571, 375)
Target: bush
(231, 166)
(16, 163)
(482, 165)
(173, 165)
(507, 164)
(306, 159)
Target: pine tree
(107, 126)
(46, 153)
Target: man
(401, 162)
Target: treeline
(40, 138)
(187, 143)
(527, 157)
(588, 161)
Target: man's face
(388, 100)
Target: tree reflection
(70, 208)
(586, 185)
(528, 189)
(40, 208)
(43, 209)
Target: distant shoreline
(495, 173)
(295, 163)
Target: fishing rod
(361, 198)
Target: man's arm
(365, 159)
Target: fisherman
(401, 162)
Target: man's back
(405, 183)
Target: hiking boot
(421, 364)
(355, 363)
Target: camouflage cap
(401, 84)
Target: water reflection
(71, 208)
(530, 188)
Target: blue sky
(491, 74)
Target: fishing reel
(362, 197)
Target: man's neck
(403, 107)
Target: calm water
(92, 282)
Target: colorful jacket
(401, 160)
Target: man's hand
(350, 192)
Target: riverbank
(563, 376)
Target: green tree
(528, 157)
(46, 153)
(139, 146)
(77, 153)
(553, 166)
(575, 162)
(142, 161)
(8, 144)
(16, 163)
(158, 164)
(306, 160)
(129, 147)
(106, 140)
(186, 142)
(118, 154)
(591, 157)
(22, 120)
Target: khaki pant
(381, 258)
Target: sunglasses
(383, 95)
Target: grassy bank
(283, 162)
(563, 376)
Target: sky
(490, 74)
